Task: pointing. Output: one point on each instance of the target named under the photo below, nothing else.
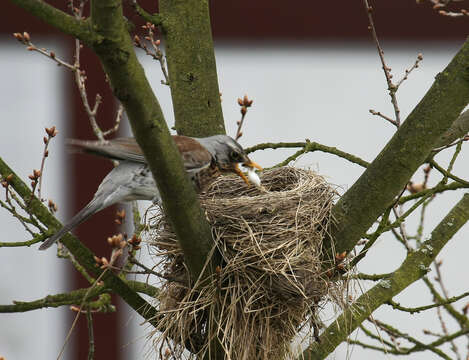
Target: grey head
(224, 149)
(226, 152)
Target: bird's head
(228, 154)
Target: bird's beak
(238, 171)
(247, 163)
(251, 164)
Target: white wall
(32, 97)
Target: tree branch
(154, 19)
(307, 146)
(437, 189)
(131, 87)
(80, 29)
(192, 67)
(412, 310)
(78, 250)
(413, 268)
(37, 238)
(447, 174)
(387, 175)
(459, 317)
(71, 298)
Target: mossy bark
(388, 174)
(131, 87)
(106, 33)
(457, 130)
(192, 68)
(80, 29)
(414, 267)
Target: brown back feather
(126, 148)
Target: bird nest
(272, 278)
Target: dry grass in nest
(272, 278)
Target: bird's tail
(125, 182)
(93, 207)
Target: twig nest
(272, 278)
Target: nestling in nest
(272, 279)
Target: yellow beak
(252, 164)
(248, 163)
(238, 171)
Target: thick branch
(406, 151)
(66, 23)
(413, 268)
(131, 87)
(74, 297)
(192, 68)
(143, 288)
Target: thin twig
(398, 213)
(79, 74)
(89, 319)
(80, 80)
(374, 236)
(36, 239)
(408, 71)
(387, 71)
(147, 270)
(440, 188)
(117, 122)
(63, 253)
(419, 235)
(26, 40)
(67, 338)
(51, 133)
(452, 162)
(439, 280)
(156, 54)
(245, 103)
(413, 310)
(464, 138)
(308, 146)
(387, 118)
(155, 19)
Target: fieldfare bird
(204, 159)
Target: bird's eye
(234, 155)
